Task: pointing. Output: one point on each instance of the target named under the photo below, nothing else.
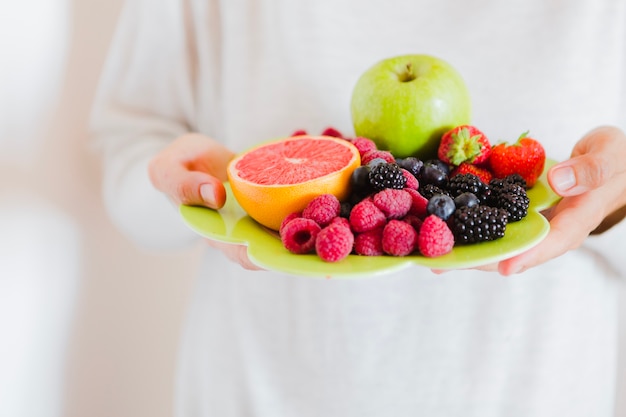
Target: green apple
(406, 103)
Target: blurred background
(88, 323)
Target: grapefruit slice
(277, 178)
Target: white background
(88, 323)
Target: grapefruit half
(277, 178)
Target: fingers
(236, 253)
(596, 159)
(485, 268)
(571, 222)
(191, 170)
(592, 183)
(194, 188)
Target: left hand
(593, 186)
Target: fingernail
(563, 179)
(207, 191)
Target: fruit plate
(232, 225)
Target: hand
(593, 186)
(191, 170)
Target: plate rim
(232, 214)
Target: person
(188, 84)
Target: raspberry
(399, 238)
(322, 209)
(394, 203)
(287, 220)
(299, 132)
(366, 216)
(435, 237)
(373, 154)
(414, 221)
(419, 203)
(299, 235)
(340, 221)
(331, 131)
(334, 243)
(364, 145)
(369, 243)
(411, 181)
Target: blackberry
(513, 198)
(469, 183)
(478, 224)
(511, 179)
(386, 175)
(430, 190)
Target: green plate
(232, 225)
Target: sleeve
(611, 244)
(144, 100)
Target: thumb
(577, 175)
(188, 187)
(595, 160)
(200, 189)
(190, 171)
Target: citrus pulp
(277, 178)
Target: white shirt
(467, 343)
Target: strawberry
(464, 143)
(466, 168)
(526, 157)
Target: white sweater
(467, 343)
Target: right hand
(191, 170)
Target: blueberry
(441, 206)
(433, 175)
(359, 180)
(466, 199)
(376, 161)
(411, 164)
(443, 167)
(346, 208)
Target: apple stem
(408, 74)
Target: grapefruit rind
(269, 204)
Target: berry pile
(403, 206)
